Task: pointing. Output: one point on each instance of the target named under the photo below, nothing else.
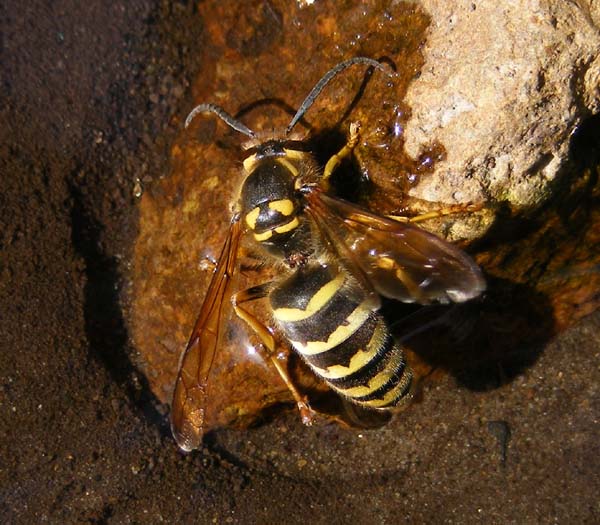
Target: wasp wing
(189, 396)
(398, 260)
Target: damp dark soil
(89, 90)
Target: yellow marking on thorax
(283, 206)
(288, 226)
(260, 237)
(251, 217)
(284, 228)
(352, 323)
(249, 163)
(317, 301)
(288, 165)
(359, 359)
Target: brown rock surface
(503, 88)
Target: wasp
(338, 260)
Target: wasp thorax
(269, 202)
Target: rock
(503, 87)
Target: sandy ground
(87, 95)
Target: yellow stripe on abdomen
(352, 323)
(317, 301)
(359, 360)
(399, 392)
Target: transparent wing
(396, 259)
(189, 396)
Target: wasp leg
(346, 151)
(449, 210)
(270, 346)
(250, 263)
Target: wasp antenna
(223, 115)
(327, 77)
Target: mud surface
(88, 98)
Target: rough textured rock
(503, 87)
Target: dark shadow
(359, 94)
(484, 343)
(210, 440)
(584, 150)
(580, 197)
(104, 323)
(135, 136)
(348, 181)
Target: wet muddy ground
(92, 99)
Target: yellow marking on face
(283, 206)
(263, 236)
(317, 301)
(288, 165)
(353, 322)
(249, 163)
(251, 217)
(288, 226)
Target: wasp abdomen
(331, 323)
